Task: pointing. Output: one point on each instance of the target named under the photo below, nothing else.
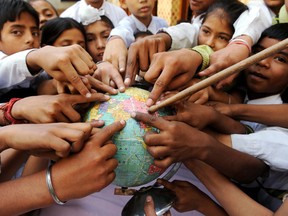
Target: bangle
(51, 188)
(241, 42)
(7, 108)
(99, 62)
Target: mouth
(145, 9)
(256, 75)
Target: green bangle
(205, 52)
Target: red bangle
(241, 42)
(7, 112)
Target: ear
(123, 4)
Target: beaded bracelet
(241, 42)
(7, 108)
(51, 188)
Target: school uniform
(113, 12)
(130, 25)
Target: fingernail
(148, 199)
(107, 97)
(127, 81)
(149, 102)
(88, 95)
(122, 122)
(133, 114)
(122, 89)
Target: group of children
(43, 55)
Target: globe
(135, 164)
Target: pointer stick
(222, 74)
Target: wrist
(7, 112)
(31, 61)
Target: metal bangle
(51, 188)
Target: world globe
(135, 164)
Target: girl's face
(269, 76)
(19, 35)
(215, 32)
(45, 10)
(70, 37)
(97, 34)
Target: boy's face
(45, 10)
(97, 35)
(269, 76)
(19, 35)
(140, 8)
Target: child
(141, 19)
(19, 26)
(113, 12)
(63, 32)
(45, 10)
(266, 83)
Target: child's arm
(190, 198)
(63, 64)
(231, 198)
(270, 114)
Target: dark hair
(55, 27)
(107, 20)
(10, 10)
(230, 10)
(52, 6)
(279, 32)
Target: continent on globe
(135, 166)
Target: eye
(17, 32)
(90, 38)
(280, 59)
(35, 33)
(224, 38)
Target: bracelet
(99, 62)
(241, 42)
(7, 108)
(51, 188)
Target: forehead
(41, 5)
(25, 19)
(97, 27)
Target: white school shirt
(272, 147)
(251, 22)
(130, 25)
(269, 144)
(113, 12)
(14, 72)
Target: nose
(29, 39)
(210, 42)
(101, 43)
(264, 62)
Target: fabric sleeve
(269, 145)
(253, 22)
(184, 35)
(13, 69)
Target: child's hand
(108, 74)
(64, 64)
(189, 197)
(196, 115)
(52, 108)
(171, 71)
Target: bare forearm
(24, 194)
(232, 199)
(272, 115)
(229, 161)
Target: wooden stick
(221, 75)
